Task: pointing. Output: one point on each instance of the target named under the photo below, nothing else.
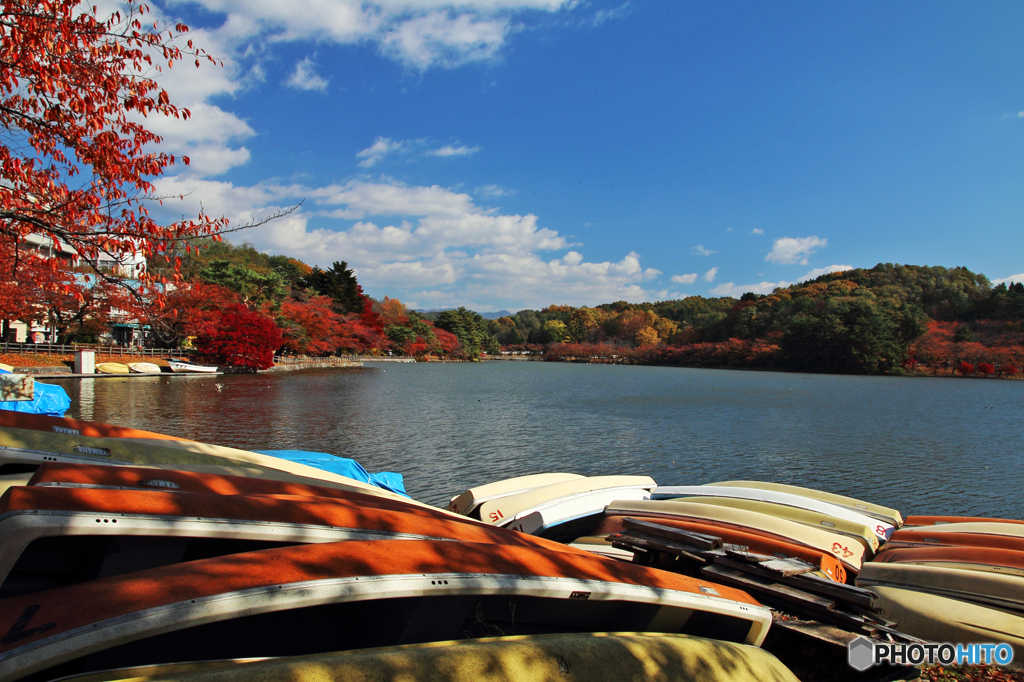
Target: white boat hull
(178, 366)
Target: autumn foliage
(239, 337)
(77, 161)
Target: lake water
(923, 445)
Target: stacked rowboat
(131, 555)
(128, 554)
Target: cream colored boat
(880, 528)
(857, 531)
(467, 502)
(1012, 530)
(990, 589)
(144, 367)
(941, 619)
(886, 514)
(504, 510)
(844, 548)
(587, 657)
(37, 447)
(112, 368)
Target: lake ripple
(923, 445)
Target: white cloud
(789, 250)
(603, 15)
(380, 148)
(449, 150)
(684, 279)
(494, 191)
(709, 276)
(699, 250)
(418, 33)
(305, 77)
(442, 242)
(737, 290)
(1011, 278)
(757, 230)
(818, 272)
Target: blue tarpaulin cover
(50, 400)
(388, 480)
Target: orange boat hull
(75, 427)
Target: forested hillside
(239, 306)
(887, 319)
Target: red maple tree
(241, 338)
(76, 165)
(312, 325)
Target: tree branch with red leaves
(76, 161)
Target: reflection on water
(922, 445)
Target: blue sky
(517, 153)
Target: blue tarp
(50, 400)
(388, 480)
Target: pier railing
(101, 349)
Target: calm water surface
(924, 445)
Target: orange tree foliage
(75, 159)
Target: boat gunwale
(254, 601)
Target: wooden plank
(735, 573)
(647, 542)
(850, 594)
(17, 387)
(787, 567)
(699, 540)
(740, 553)
(816, 630)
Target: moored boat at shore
(845, 549)
(504, 510)
(887, 514)
(31, 448)
(468, 502)
(144, 368)
(276, 601)
(112, 368)
(56, 536)
(184, 366)
(882, 529)
(807, 517)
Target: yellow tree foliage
(666, 328)
(556, 330)
(581, 322)
(646, 337)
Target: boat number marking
(496, 516)
(880, 530)
(840, 550)
(18, 631)
(580, 595)
(86, 450)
